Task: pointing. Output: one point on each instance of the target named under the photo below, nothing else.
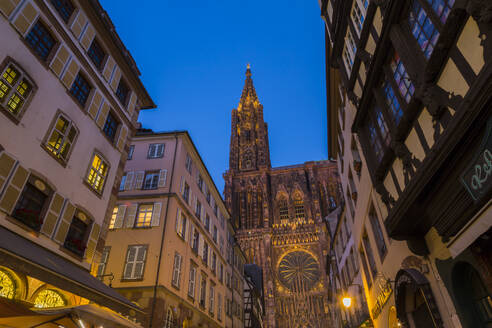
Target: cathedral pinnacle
(249, 89)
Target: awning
(82, 316)
(24, 256)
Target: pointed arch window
(283, 209)
(299, 207)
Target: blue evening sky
(193, 56)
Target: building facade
(279, 213)
(70, 95)
(409, 97)
(169, 248)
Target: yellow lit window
(14, 89)
(299, 208)
(283, 210)
(61, 138)
(144, 216)
(7, 285)
(113, 218)
(97, 173)
(49, 298)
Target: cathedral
(280, 215)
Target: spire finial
(248, 66)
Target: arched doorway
(472, 297)
(415, 303)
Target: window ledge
(131, 279)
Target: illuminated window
(402, 78)
(299, 207)
(64, 7)
(442, 8)
(113, 217)
(97, 173)
(49, 298)
(80, 89)
(110, 126)
(61, 138)
(40, 40)
(135, 262)
(96, 54)
(122, 92)
(7, 285)
(144, 215)
(423, 29)
(283, 210)
(15, 89)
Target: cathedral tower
(279, 214)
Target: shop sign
(383, 296)
(477, 178)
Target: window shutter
(120, 216)
(60, 60)
(178, 218)
(103, 113)
(156, 214)
(13, 190)
(53, 214)
(191, 287)
(181, 186)
(79, 24)
(160, 150)
(6, 167)
(8, 6)
(70, 73)
(162, 178)
(140, 262)
(115, 80)
(130, 220)
(92, 243)
(175, 270)
(65, 222)
(139, 179)
(25, 18)
(88, 36)
(122, 137)
(95, 104)
(131, 104)
(192, 232)
(129, 180)
(130, 261)
(108, 68)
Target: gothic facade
(280, 214)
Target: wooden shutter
(200, 245)
(79, 24)
(103, 113)
(130, 261)
(122, 138)
(53, 214)
(162, 178)
(7, 164)
(120, 216)
(8, 6)
(176, 269)
(95, 104)
(88, 36)
(66, 220)
(178, 219)
(132, 211)
(14, 189)
(92, 243)
(60, 60)
(140, 262)
(70, 73)
(115, 80)
(129, 180)
(25, 18)
(156, 214)
(131, 104)
(191, 285)
(108, 68)
(192, 231)
(139, 177)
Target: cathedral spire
(248, 90)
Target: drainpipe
(163, 233)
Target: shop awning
(24, 256)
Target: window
(393, 103)
(122, 183)
(101, 269)
(402, 78)
(155, 151)
(122, 92)
(198, 209)
(64, 7)
(151, 180)
(215, 210)
(299, 207)
(212, 298)
(40, 40)
(97, 173)
(113, 217)
(80, 89)
(205, 253)
(213, 265)
(130, 152)
(32, 203)
(349, 51)
(110, 127)
(370, 256)
(192, 281)
(203, 290)
(283, 210)
(358, 15)
(182, 225)
(188, 163)
(15, 89)
(423, 29)
(61, 138)
(214, 235)
(77, 234)
(186, 192)
(135, 262)
(195, 241)
(144, 215)
(96, 54)
(221, 272)
(169, 319)
(378, 233)
(375, 141)
(208, 197)
(222, 221)
(207, 223)
(442, 8)
(176, 270)
(200, 182)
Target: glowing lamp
(347, 301)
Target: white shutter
(156, 214)
(139, 177)
(120, 216)
(129, 180)
(178, 219)
(160, 150)
(162, 178)
(176, 269)
(192, 231)
(191, 286)
(130, 220)
(200, 245)
(151, 152)
(130, 261)
(140, 262)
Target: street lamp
(347, 301)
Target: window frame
(45, 58)
(118, 93)
(144, 224)
(111, 124)
(84, 218)
(192, 282)
(79, 93)
(50, 131)
(60, 10)
(131, 150)
(103, 262)
(155, 154)
(177, 269)
(144, 262)
(108, 168)
(154, 174)
(95, 53)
